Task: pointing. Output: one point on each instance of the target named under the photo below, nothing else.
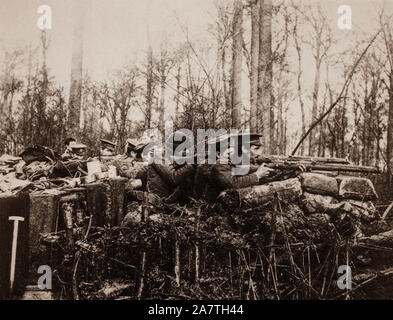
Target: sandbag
(288, 190)
(319, 184)
(316, 203)
(356, 188)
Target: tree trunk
(389, 147)
(237, 55)
(227, 96)
(299, 89)
(314, 112)
(177, 93)
(265, 73)
(161, 113)
(254, 65)
(75, 99)
(149, 87)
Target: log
(319, 184)
(356, 188)
(316, 203)
(289, 190)
(380, 239)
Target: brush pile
(283, 240)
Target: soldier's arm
(141, 173)
(172, 174)
(227, 180)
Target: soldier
(255, 145)
(74, 150)
(130, 147)
(133, 165)
(67, 151)
(171, 181)
(107, 148)
(220, 176)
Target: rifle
(311, 163)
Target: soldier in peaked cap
(129, 150)
(107, 148)
(173, 181)
(222, 176)
(134, 166)
(74, 151)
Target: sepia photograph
(196, 150)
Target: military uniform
(173, 182)
(211, 180)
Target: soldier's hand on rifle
(263, 172)
(302, 168)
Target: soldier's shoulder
(219, 167)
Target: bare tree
(265, 72)
(237, 55)
(75, 98)
(388, 40)
(149, 88)
(117, 98)
(254, 54)
(320, 44)
(299, 79)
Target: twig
(273, 234)
(387, 211)
(78, 257)
(197, 258)
(177, 260)
(143, 257)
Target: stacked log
(289, 190)
(345, 201)
(339, 196)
